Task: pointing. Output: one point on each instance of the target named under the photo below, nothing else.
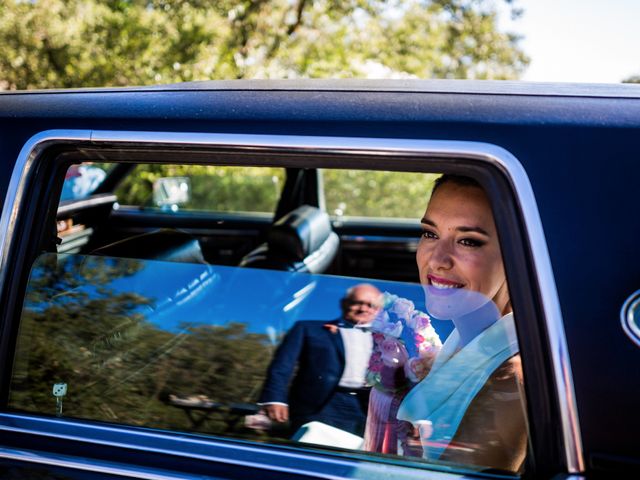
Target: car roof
(489, 87)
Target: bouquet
(403, 339)
(405, 345)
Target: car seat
(301, 241)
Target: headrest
(300, 232)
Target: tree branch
(277, 41)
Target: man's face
(362, 305)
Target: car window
(286, 346)
(357, 193)
(82, 180)
(202, 188)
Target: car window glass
(82, 180)
(278, 346)
(358, 193)
(209, 188)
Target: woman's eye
(429, 234)
(471, 242)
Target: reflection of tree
(226, 363)
(118, 366)
(71, 325)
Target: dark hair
(460, 180)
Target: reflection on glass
(81, 180)
(427, 371)
(325, 398)
(161, 344)
(187, 347)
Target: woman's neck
(471, 325)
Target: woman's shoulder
(510, 369)
(506, 382)
(495, 421)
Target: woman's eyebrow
(482, 231)
(426, 221)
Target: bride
(470, 407)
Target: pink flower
(378, 338)
(390, 353)
(375, 368)
(375, 362)
(418, 320)
(416, 369)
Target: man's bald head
(361, 303)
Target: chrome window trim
(481, 152)
(291, 459)
(69, 206)
(110, 468)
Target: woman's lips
(443, 283)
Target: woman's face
(458, 255)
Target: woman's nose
(441, 256)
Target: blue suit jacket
(319, 355)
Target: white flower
(403, 308)
(383, 324)
(381, 319)
(388, 299)
(393, 329)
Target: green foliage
(213, 188)
(377, 194)
(83, 43)
(256, 189)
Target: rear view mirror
(171, 192)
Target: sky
(266, 301)
(593, 41)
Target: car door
(141, 325)
(534, 152)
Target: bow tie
(364, 328)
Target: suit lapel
(336, 339)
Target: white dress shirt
(358, 346)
